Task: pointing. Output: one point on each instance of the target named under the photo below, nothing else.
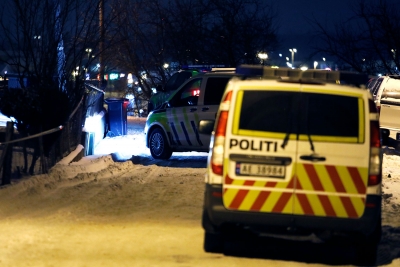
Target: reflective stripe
(175, 133)
(316, 190)
(196, 133)
(185, 133)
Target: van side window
(215, 89)
(189, 94)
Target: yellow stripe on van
(323, 138)
(238, 107)
(361, 120)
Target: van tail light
(375, 175)
(217, 158)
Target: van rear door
(332, 155)
(261, 147)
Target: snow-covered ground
(120, 207)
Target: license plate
(249, 169)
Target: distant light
(154, 90)
(274, 67)
(323, 59)
(289, 64)
(166, 65)
(122, 75)
(304, 68)
(130, 96)
(262, 55)
(280, 55)
(113, 76)
(287, 58)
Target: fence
(36, 154)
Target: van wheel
(385, 136)
(213, 243)
(367, 252)
(213, 238)
(159, 147)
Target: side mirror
(206, 126)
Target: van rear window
(300, 112)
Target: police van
(295, 153)
(173, 126)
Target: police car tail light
(217, 158)
(375, 176)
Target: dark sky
(295, 30)
(293, 13)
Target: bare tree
(189, 32)
(45, 43)
(367, 42)
(240, 29)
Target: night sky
(295, 30)
(292, 14)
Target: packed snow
(120, 207)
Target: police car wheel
(159, 147)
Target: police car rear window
(301, 113)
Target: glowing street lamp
(263, 56)
(293, 50)
(88, 51)
(315, 64)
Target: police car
(173, 126)
(295, 153)
(173, 83)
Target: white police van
(173, 126)
(295, 152)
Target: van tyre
(213, 238)
(367, 252)
(385, 136)
(213, 243)
(158, 143)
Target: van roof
(324, 76)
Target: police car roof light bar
(223, 69)
(327, 76)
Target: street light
(88, 51)
(315, 64)
(263, 56)
(293, 50)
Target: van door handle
(192, 109)
(312, 157)
(205, 109)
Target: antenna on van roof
(327, 76)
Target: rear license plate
(265, 170)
